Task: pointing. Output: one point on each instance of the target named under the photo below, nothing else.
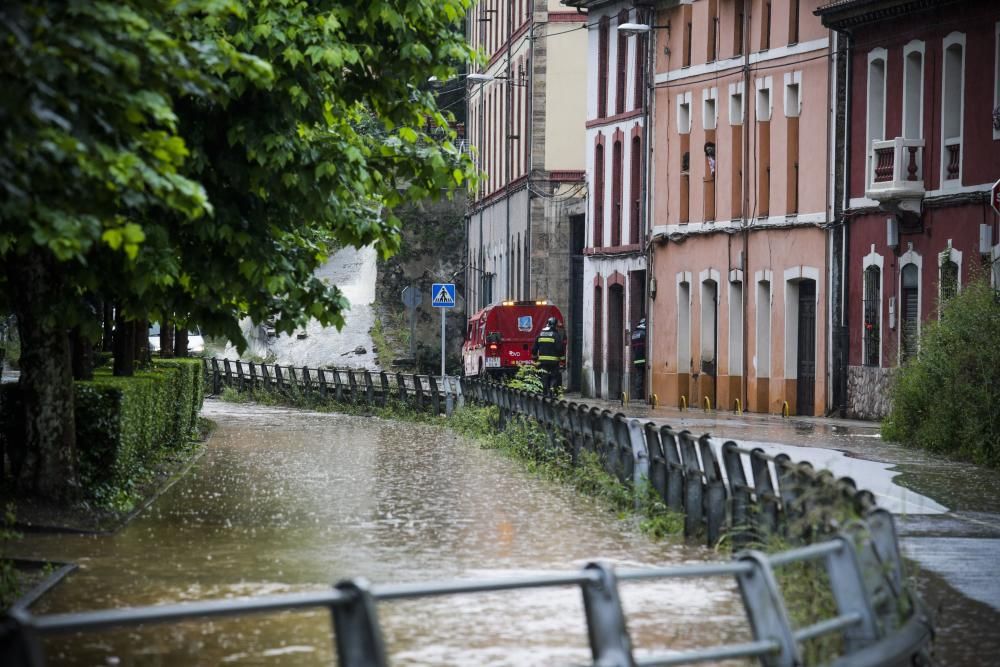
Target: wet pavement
(285, 500)
(947, 512)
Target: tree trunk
(181, 342)
(47, 457)
(141, 333)
(82, 351)
(108, 341)
(167, 339)
(124, 346)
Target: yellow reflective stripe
(639, 361)
(545, 357)
(546, 340)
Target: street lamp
(634, 28)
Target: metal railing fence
(353, 606)
(345, 385)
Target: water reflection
(286, 501)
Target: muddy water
(285, 501)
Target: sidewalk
(947, 512)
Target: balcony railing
(897, 169)
(953, 158)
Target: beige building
(526, 121)
(741, 200)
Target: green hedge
(124, 424)
(947, 398)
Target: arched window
(952, 104)
(621, 72)
(913, 90)
(876, 103)
(909, 311)
(873, 316)
(616, 194)
(599, 194)
(949, 279)
(604, 34)
(635, 188)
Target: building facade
(616, 234)
(741, 201)
(920, 94)
(526, 122)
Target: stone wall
(868, 392)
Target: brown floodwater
(288, 501)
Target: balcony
(896, 173)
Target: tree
(196, 161)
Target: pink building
(741, 198)
(920, 150)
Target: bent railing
(871, 637)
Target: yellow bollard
(784, 409)
(624, 399)
(739, 408)
(684, 402)
(708, 404)
(653, 400)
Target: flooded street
(286, 501)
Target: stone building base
(868, 392)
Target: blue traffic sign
(443, 295)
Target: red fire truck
(498, 338)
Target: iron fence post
(359, 638)
(851, 595)
(766, 610)
(693, 486)
(610, 644)
(640, 463)
(715, 492)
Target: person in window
(549, 352)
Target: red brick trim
(613, 250)
(617, 118)
(573, 175)
(616, 278)
(567, 17)
(598, 280)
(636, 132)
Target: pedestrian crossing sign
(443, 295)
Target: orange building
(741, 201)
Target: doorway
(616, 339)
(805, 388)
(709, 338)
(574, 361)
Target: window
(640, 70)
(709, 117)
(909, 311)
(793, 98)
(871, 341)
(599, 193)
(765, 26)
(952, 104)
(876, 105)
(713, 30)
(683, 324)
(949, 278)
(763, 100)
(913, 90)
(684, 113)
(793, 21)
(687, 43)
(735, 327)
(598, 337)
(738, 31)
(735, 104)
(763, 364)
(635, 187)
(621, 73)
(616, 193)
(604, 34)
(996, 84)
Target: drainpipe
(747, 128)
(507, 134)
(647, 217)
(527, 145)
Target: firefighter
(549, 351)
(638, 345)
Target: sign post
(995, 197)
(411, 299)
(443, 296)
